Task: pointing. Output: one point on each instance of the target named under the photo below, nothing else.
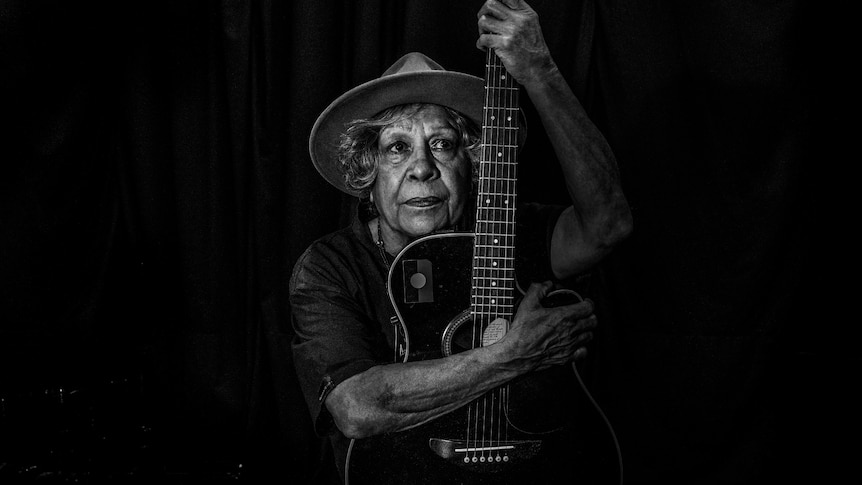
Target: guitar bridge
(484, 456)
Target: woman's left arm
(599, 216)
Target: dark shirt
(341, 312)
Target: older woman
(408, 151)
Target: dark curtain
(156, 191)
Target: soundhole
(458, 337)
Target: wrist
(505, 359)
(542, 74)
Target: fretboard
(494, 245)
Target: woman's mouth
(421, 202)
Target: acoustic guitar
(454, 291)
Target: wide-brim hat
(414, 78)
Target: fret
(501, 233)
(489, 315)
(502, 142)
(495, 208)
(497, 226)
(493, 214)
(501, 278)
(488, 250)
(504, 179)
(508, 145)
(495, 292)
(505, 287)
(507, 195)
(490, 288)
(503, 298)
(501, 260)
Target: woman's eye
(397, 147)
(442, 144)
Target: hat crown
(413, 62)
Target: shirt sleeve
(333, 340)
(535, 228)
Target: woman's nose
(423, 166)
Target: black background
(155, 191)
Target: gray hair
(358, 153)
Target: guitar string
(494, 76)
(488, 316)
(506, 98)
(477, 313)
(493, 168)
(509, 120)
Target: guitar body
(553, 431)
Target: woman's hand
(511, 28)
(541, 337)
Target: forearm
(587, 161)
(394, 397)
(599, 216)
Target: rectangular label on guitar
(418, 281)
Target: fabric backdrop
(156, 190)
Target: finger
(586, 324)
(513, 4)
(580, 354)
(584, 338)
(490, 25)
(496, 9)
(536, 292)
(577, 311)
(543, 287)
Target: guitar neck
(494, 248)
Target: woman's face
(423, 177)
